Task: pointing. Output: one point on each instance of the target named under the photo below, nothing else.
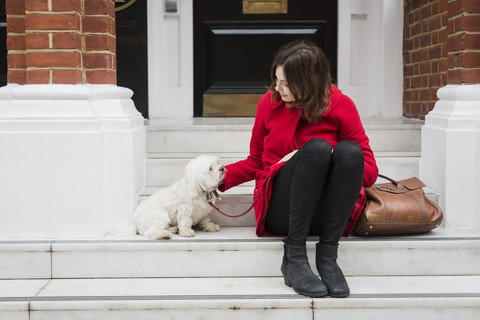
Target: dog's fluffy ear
(197, 181)
(197, 173)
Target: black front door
(234, 43)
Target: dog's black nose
(222, 169)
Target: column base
(451, 153)
(73, 159)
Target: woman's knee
(318, 145)
(349, 150)
(317, 149)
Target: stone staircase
(233, 274)
(171, 144)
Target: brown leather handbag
(397, 208)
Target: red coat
(278, 130)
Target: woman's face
(282, 85)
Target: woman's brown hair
(307, 72)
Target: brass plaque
(265, 6)
(230, 105)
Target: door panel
(234, 51)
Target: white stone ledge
(63, 91)
(31, 108)
(460, 92)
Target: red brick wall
(424, 54)
(61, 41)
(463, 43)
(16, 44)
(441, 45)
(99, 41)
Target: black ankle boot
(330, 272)
(298, 274)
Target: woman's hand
(288, 156)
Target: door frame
(371, 74)
(170, 60)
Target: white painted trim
(370, 55)
(170, 60)
(451, 153)
(73, 159)
(392, 71)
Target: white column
(370, 34)
(73, 159)
(170, 60)
(451, 154)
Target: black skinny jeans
(315, 192)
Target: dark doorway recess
(132, 64)
(233, 51)
(3, 45)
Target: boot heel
(298, 275)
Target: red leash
(209, 198)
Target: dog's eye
(211, 169)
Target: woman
(309, 156)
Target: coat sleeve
(351, 128)
(246, 170)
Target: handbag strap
(395, 183)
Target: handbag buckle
(387, 188)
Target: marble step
(232, 135)
(234, 252)
(390, 297)
(164, 170)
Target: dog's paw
(188, 232)
(211, 227)
(157, 234)
(172, 229)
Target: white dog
(182, 205)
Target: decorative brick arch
(61, 41)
